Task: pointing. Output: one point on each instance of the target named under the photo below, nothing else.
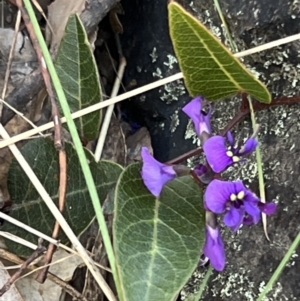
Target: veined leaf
(77, 71)
(158, 241)
(208, 66)
(29, 208)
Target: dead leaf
(135, 143)
(12, 293)
(30, 289)
(58, 15)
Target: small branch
(261, 181)
(58, 137)
(241, 114)
(37, 253)
(58, 216)
(10, 58)
(140, 90)
(64, 285)
(236, 119)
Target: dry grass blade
(7, 73)
(39, 8)
(18, 240)
(38, 234)
(36, 254)
(59, 217)
(64, 285)
(110, 110)
(10, 58)
(138, 91)
(58, 141)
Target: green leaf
(30, 209)
(209, 68)
(77, 71)
(158, 241)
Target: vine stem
(85, 169)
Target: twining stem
(261, 182)
(229, 37)
(280, 268)
(79, 149)
(203, 284)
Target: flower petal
(239, 186)
(200, 170)
(234, 218)
(251, 206)
(248, 220)
(230, 138)
(200, 119)
(217, 195)
(249, 147)
(268, 208)
(215, 152)
(214, 248)
(155, 174)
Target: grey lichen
(191, 134)
(172, 91)
(174, 121)
(154, 55)
(171, 61)
(157, 73)
(161, 125)
(142, 98)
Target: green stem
(280, 268)
(261, 180)
(203, 284)
(296, 242)
(78, 146)
(230, 39)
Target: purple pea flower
(200, 170)
(200, 118)
(240, 204)
(220, 157)
(214, 248)
(155, 174)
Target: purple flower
(200, 170)
(220, 157)
(240, 204)
(155, 174)
(214, 248)
(200, 118)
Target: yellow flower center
(229, 153)
(233, 197)
(235, 159)
(241, 195)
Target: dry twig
(37, 253)
(109, 110)
(58, 142)
(62, 197)
(58, 137)
(64, 285)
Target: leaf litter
(14, 126)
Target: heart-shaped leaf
(158, 241)
(29, 208)
(208, 67)
(77, 71)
